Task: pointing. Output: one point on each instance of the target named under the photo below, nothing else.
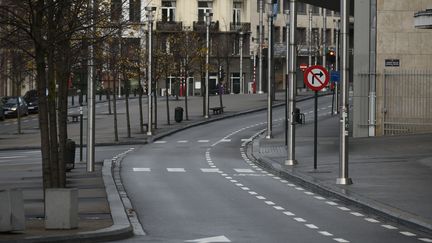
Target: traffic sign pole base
(344, 181)
(260, 92)
(291, 162)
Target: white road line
(311, 226)
(299, 188)
(276, 178)
(357, 214)
(371, 220)
(289, 184)
(225, 140)
(239, 184)
(288, 213)
(344, 208)
(203, 141)
(301, 220)
(253, 193)
(244, 171)
(160, 141)
(176, 170)
(182, 141)
(340, 240)
(309, 193)
(245, 188)
(224, 174)
(278, 208)
(261, 197)
(284, 181)
(228, 178)
(209, 170)
(269, 203)
(406, 233)
(12, 157)
(425, 239)
(233, 181)
(325, 233)
(390, 227)
(141, 169)
(331, 203)
(246, 139)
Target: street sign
(303, 66)
(316, 77)
(335, 76)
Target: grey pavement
(379, 175)
(392, 175)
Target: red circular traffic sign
(316, 77)
(303, 66)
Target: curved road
(199, 186)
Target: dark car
(2, 116)
(32, 100)
(11, 106)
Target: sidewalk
(392, 176)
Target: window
(237, 13)
(315, 9)
(286, 5)
(258, 5)
(258, 32)
(277, 37)
(284, 33)
(301, 8)
(168, 11)
(203, 7)
(301, 36)
(134, 10)
(116, 10)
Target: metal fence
(407, 102)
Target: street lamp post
(310, 39)
(90, 105)
(337, 66)
(269, 76)
(324, 39)
(241, 62)
(292, 77)
(261, 39)
(150, 12)
(343, 178)
(287, 22)
(208, 16)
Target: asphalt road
(199, 186)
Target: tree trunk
(115, 110)
(18, 115)
(140, 95)
(108, 97)
(127, 111)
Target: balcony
(170, 26)
(244, 27)
(200, 26)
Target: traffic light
(331, 56)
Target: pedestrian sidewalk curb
(341, 193)
(120, 229)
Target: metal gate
(407, 104)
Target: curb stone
(341, 193)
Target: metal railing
(407, 102)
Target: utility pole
(344, 117)
(90, 101)
(149, 11)
(206, 102)
(269, 77)
(241, 62)
(310, 38)
(292, 78)
(337, 66)
(324, 38)
(261, 38)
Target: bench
(74, 117)
(217, 110)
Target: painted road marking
(357, 214)
(160, 141)
(301, 220)
(344, 208)
(288, 213)
(253, 193)
(176, 170)
(390, 227)
(244, 171)
(425, 239)
(278, 208)
(371, 220)
(182, 141)
(340, 240)
(141, 169)
(331, 203)
(406, 233)
(311, 226)
(261, 198)
(203, 141)
(210, 170)
(269, 203)
(325, 233)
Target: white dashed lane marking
(160, 141)
(203, 141)
(371, 220)
(390, 227)
(244, 170)
(176, 170)
(210, 170)
(141, 169)
(425, 239)
(406, 233)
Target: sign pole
(316, 130)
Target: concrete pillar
(11, 210)
(61, 208)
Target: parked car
(11, 106)
(2, 116)
(32, 100)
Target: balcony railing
(170, 26)
(200, 26)
(244, 27)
